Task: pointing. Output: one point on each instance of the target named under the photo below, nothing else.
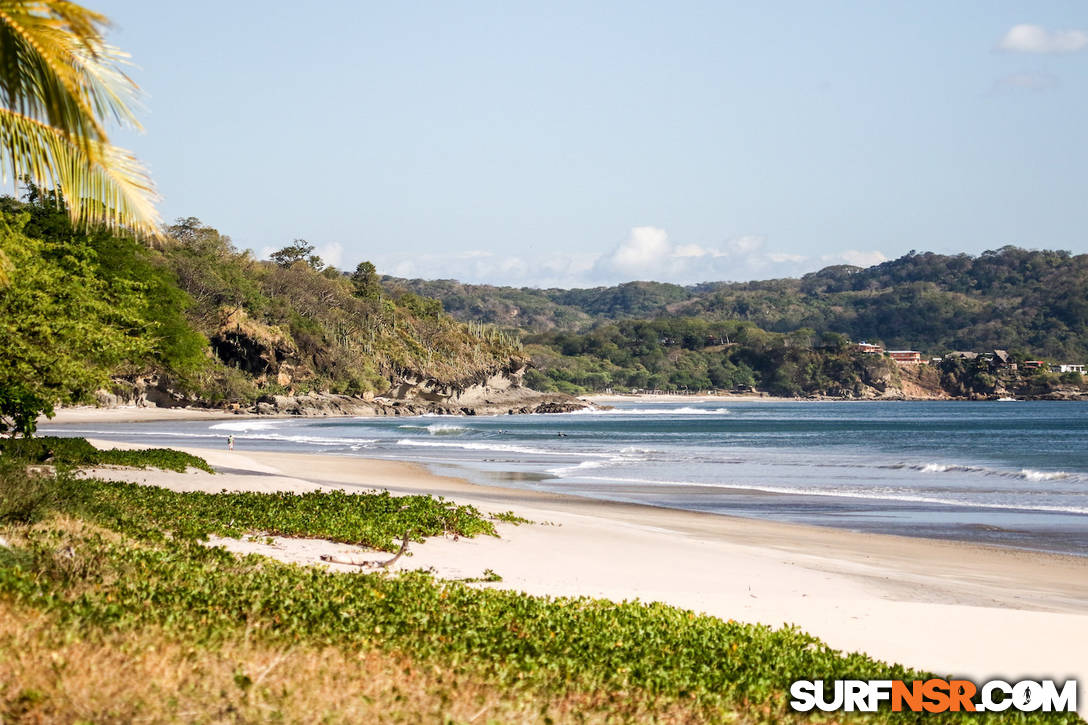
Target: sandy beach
(135, 414)
(948, 607)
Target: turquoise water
(1014, 474)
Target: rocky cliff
(498, 392)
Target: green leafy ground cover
(78, 452)
(374, 519)
(122, 574)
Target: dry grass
(50, 674)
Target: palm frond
(55, 66)
(60, 82)
(100, 183)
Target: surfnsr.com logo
(933, 695)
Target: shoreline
(892, 516)
(927, 603)
(607, 398)
(150, 413)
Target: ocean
(1005, 473)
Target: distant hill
(537, 310)
(1033, 302)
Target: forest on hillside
(193, 320)
(196, 321)
(685, 354)
(1031, 302)
(690, 354)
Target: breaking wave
(497, 448)
(856, 494)
(683, 410)
(1027, 474)
(246, 425)
(438, 429)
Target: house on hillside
(906, 357)
(868, 348)
(1071, 368)
(999, 360)
(1035, 364)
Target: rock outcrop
(261, 350)
(499, 392)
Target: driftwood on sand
(369, 563)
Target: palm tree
(60, 83)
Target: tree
(299, 250)
(63, 324)
(208, 268)
(366, 282)
(59, 84)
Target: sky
(588, 143)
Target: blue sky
(579, 143)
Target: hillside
(193, 321)
(537, 310)
(1030, 302)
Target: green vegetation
(692, 354)
(78, 452)
(511, 518)
(370, 519)
(66, 322)
(612, 658)
(788, 336)
(1033, 303)
(25, 497)
(297, 325)
(536, 310)
(197, 321)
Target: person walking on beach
(230, 443)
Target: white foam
(245, 436)
(1030, 475)
(246, 425)
(438, 429)
(114, 433)
(683, 410)
(497, 448)
(565, 471)
(870, 495)
(317, 440)
(1026, 474)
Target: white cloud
(1037, 39)
(647, 253)
(856, 257)
(480, 267)
(645, 246)
(747, 244)
(331, 253)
